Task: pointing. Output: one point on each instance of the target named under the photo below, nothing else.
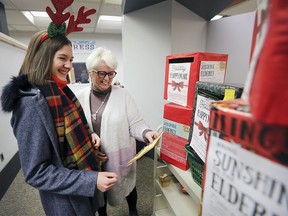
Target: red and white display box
(176, 126)
(246, 168)
(205, 94)
(184, 70)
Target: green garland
(53, 30)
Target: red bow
(202, 129)
(178, 86)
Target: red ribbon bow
(178, 86)
(202, 129)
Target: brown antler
(81, 19)
(60, 5)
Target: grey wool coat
(62, 191)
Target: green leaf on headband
(53, 30)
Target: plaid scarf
(71, 127)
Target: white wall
(188, 30)
(233, 35)
(11, 59)
(109, 41)
(149, 35)
(146, 37)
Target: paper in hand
(145, 150)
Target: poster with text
(212, 71)
(83, 46)
(178, 82)
(239, 182)
(200, 127)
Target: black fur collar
(15, 89)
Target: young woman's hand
(100, 156)
(95, 139)
(106, 180)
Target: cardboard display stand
(184, 70)
(205, 94)
(176, 125)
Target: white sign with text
(239, 182)
(83, 46)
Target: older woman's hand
(151, 135)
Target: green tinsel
(53, 30)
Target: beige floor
(23, 200)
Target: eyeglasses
(103, 74)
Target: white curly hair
(100, 56)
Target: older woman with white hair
(113, 115)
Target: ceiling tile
(109, 31)
(42, 28)
(88, 30)
(244, 7)
(109, 9)
(24, 28)
(89, 1)
(16, 17)
(7, 4)
(109, 25)
(88, 5)
(39, 5)
(42, 22)
(117, 2)
(10, 28)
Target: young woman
(56, 146)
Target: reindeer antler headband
(58, 25)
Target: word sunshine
(228, 171)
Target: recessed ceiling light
(110, 18)
(216, 17)
(29, 16)
(39, 14)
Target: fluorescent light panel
(39, 14)
(110, 18)
(216, 17)
(32, 15)
(29, 16)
